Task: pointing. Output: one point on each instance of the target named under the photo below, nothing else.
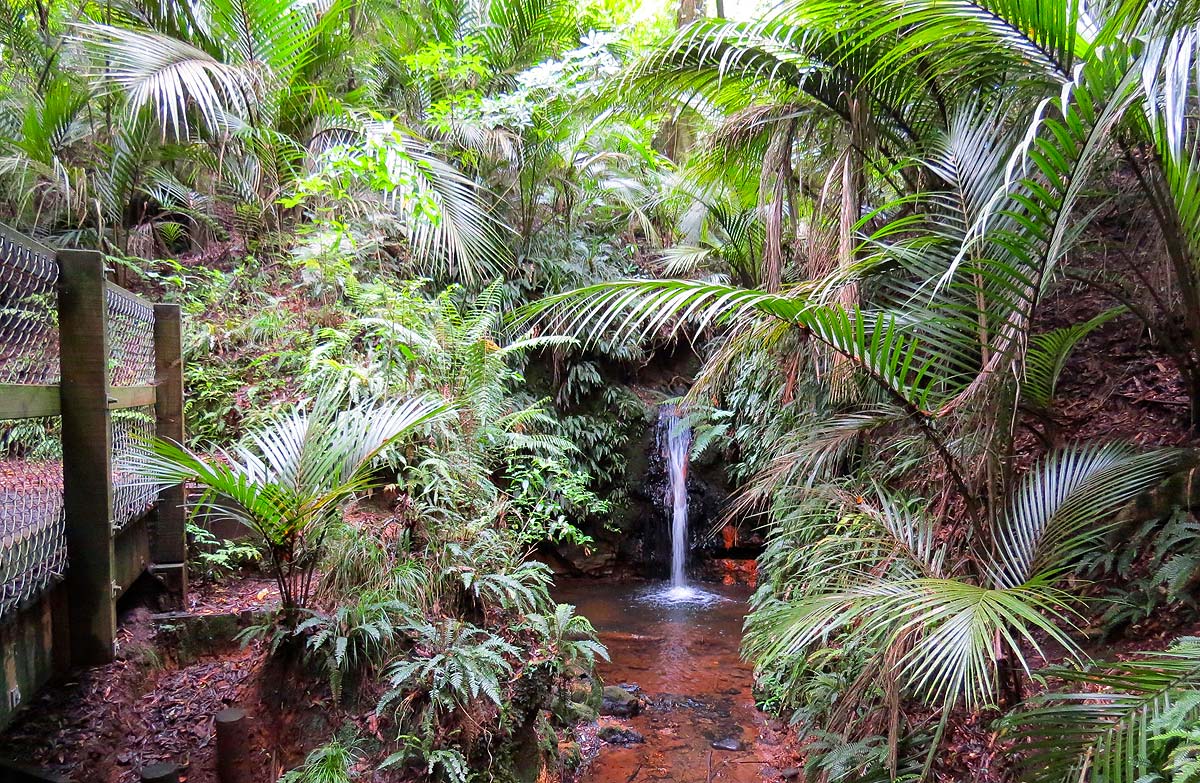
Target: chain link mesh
(132, 429)
(130, 338)
(33, 551)
(131, 355)
(28, 311)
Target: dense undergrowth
(423, 247)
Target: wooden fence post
(168, 550)
(87, 450)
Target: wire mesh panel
(131, 357)
(132, 429)
(28, 311)
(130, 338)
(33, 552)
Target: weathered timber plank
(87, 446)
(169, 543)
(131, 396)
(28, 402)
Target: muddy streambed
(679, 656)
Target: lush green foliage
(860, 212)
(1140, 727)
(885, 197)
(290, 482)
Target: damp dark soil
(155, 702)
(697, 718)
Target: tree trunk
(775, 200)
(688, 12)
(676, 137)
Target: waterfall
(676, 439)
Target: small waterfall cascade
(676, 439)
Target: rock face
(619, 702)
(706, 492)
(622, 410)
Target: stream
(681, 653)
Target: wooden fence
(88, 372)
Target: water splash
(676, 438)
(684, 596)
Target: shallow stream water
(683, 657)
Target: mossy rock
(586, 689)
(620, 735)
(578, 712)
(523, 756)
(619, 702)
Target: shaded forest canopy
(924, 276)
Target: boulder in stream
(619, 702)
(620, 735)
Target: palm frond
(1102, 730)
(1062, 505)
(1048, 354)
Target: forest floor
(103, 724)
(1116, 385)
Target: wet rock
(728, 743)
(577, 712)
(619, 702)
(569, 559)
(791, 773)
(619, 735)
(585, 690)
(674, 702)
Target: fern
(1161, 558)
(354, 638)
(1107, 734)
(452, 663)
(567, 638)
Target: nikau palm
(951, 626)
(290, 481)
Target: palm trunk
(775, 198)
(853, 184)
(1181, 255)
(676, 135)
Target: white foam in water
(685, 595)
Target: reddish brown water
(684, 659)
